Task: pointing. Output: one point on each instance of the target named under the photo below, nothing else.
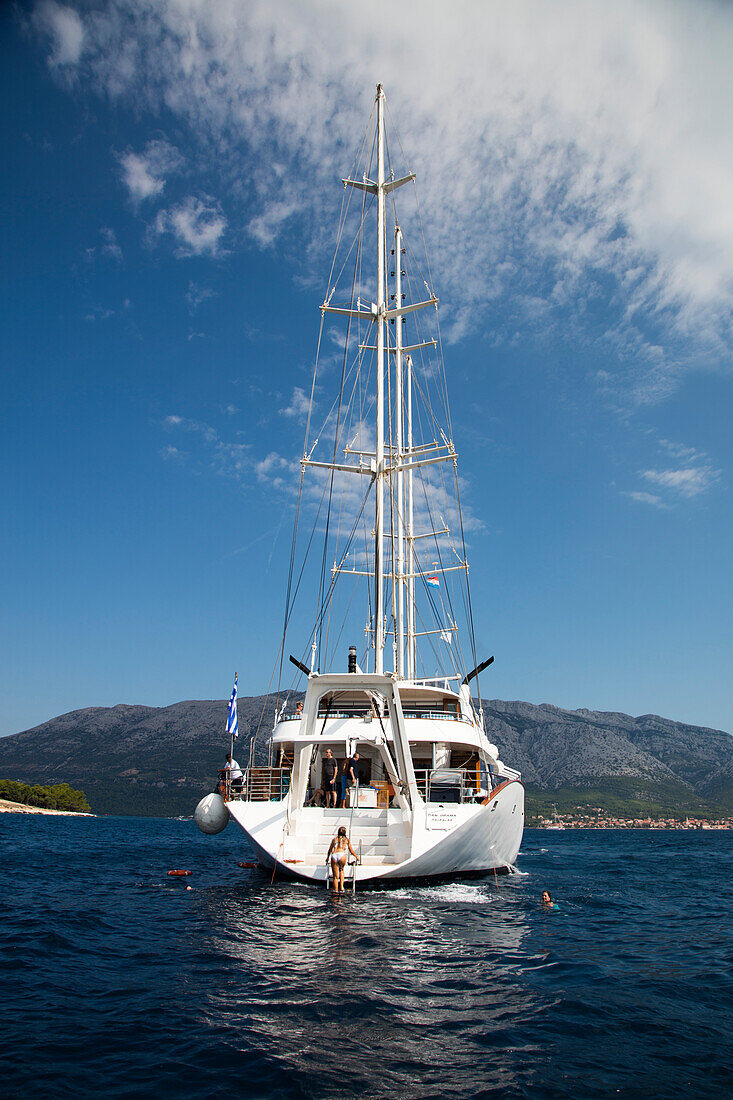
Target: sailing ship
(428, 794)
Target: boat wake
(453, 893)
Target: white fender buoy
(211, 815)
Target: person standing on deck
(233, 773)
(350, 777)
(330, 770)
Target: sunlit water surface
(118, 981)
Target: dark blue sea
(117, 981)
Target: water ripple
(120, 982)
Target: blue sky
(170, 189)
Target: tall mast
(381, 320)
(411, 655)
(408, 459)
(399, 568)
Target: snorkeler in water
(547, 900)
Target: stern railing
(459, 785)
(260, 785)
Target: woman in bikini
(338, 854)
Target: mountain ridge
(132, 758)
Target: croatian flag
(232, 715)
(433, 582)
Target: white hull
(438, 840)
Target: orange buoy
(181, 874)
(246, 865)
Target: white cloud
(220, 455)
(65, 29)
(144, 173)
(299, 405)
(680, 451)
(138, 177)
(198, 225)
(565, 153)
(646, 498)
(99, 313)
(692, 477)
(196, 295)
(188, 425)
(110, 247)
(271, 468)
(688, 482)
(267, 226)
(172, 454)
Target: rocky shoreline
(7, 807)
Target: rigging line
(295, 594)
(343, 559)
(313, 387)
(472, 633)
(280, 655)
(440, 558)
(349, 405)
(255, 735)
(448, 592)
(348, 192)
(432, 370)
(366, 199)
(345, 199)
(307, 551)
(335, 448)
(430, 278)
(436, 618)
(438, 372)
(439, 657)
(333, 580)
(346, 615)
(334, 404)
(428, 592)
(290, 578)
(456, 665)
(358, 237)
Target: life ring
(179, 874)
(246, 865)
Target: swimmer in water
(547, 900)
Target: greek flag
(232, 728)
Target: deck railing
(261, 785)
(449, 784)
(355, 712)
(433, 784)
